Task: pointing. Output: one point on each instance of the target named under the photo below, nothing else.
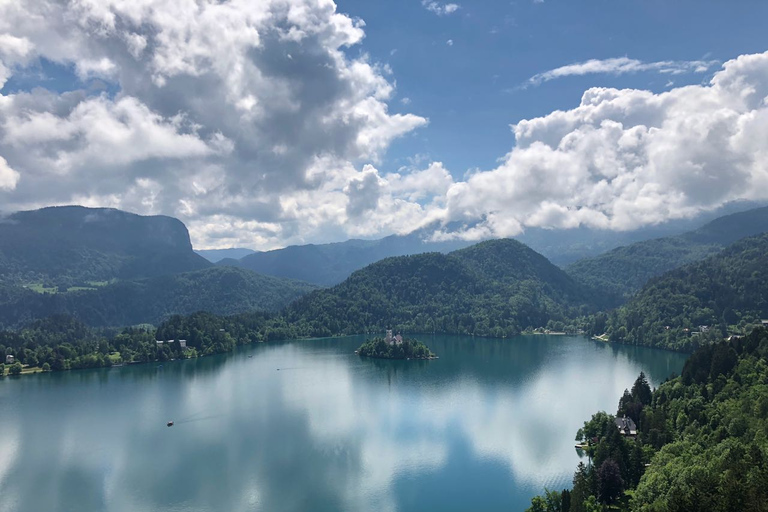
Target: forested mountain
(218, 290)
(623, 271)
(216, 255)
(701, 442)
(329, 264)
(495, 288)
(73, 245)
(724, 293)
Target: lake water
(309, 426)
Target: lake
(309, 426)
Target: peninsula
(395, 347)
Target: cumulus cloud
(8, 177)
(621, 66)
(627, 158)
(224, 113)
(441, 9)
(254, 124)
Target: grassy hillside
(219, 290)
(620, 273)
(495, 288)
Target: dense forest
(63, 343)
(622, 272)
(698, 303)
(701, 440)
(495, 288)
(218, 290)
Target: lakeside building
(9, 359)
(626, 426)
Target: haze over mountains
(330, 264)
(216, 255)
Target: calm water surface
(309, 426)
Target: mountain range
(330, 264)
(112, 268)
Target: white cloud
(251, 123)
(229, 115)
(8, 177)
(441, 9)
(620, 66)
(449, 42)
(627, 158)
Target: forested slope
(723, 293)
(495, 288)
(218, 290)
(622, 272)
(701, 441)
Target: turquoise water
(309, 426)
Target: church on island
(393, 340)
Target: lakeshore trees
(701, 435)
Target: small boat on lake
(170, 424)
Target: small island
(395, 347)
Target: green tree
(610, 485)
(581, 488)
(641, 390)
(46, 367)
(16, 369)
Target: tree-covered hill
(724, 293)
(73, 245)
(218, 290)
(495, 288)
(701, 440)
(620, 273)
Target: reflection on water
(310, 426)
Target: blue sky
(468, 90)
(277, 122)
